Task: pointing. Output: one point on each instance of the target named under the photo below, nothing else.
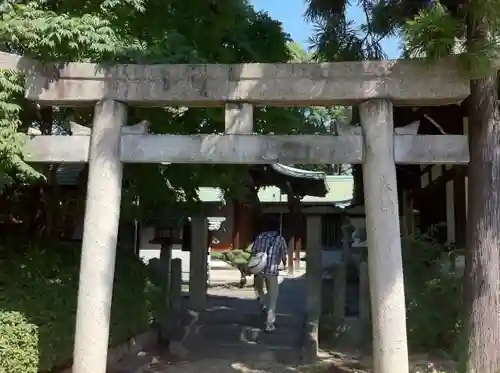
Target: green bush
(18, 343)
(237, 258)
(38, 307)
(433, 296)
(433, 291)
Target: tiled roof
(340, 188)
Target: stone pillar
(466, 182)
(175, 293)
(175, 283)
(290, 251)
(364, 294)
(460, 214)
(314, 272)
(198, 262)
(339, 290)
(165, 261)
(239, 118)
(295, 214)
(450, 212)
(385, 267)
(347, 231)
(465, 121)
(102, 214)
(297, 247)
(408, 216)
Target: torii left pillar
(385, 266)
(102, 213)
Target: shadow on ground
(229, 332)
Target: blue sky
(291, 14)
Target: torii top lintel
(405, 82)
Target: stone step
(136, 363)
(233, 333)
(244, 351)
(231, 316)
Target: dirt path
(227, 337)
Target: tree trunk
(482, 257)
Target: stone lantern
(166, 233)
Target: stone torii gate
(376, 85)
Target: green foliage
(431, 28)
(327, 119)
(228, 31)
(46, 34)
(33, 30)
(11, 142)
(432, 33)
(436, 32)
(433, 289)
(18, 343)
(38, 306)
(299, 54)
(336, 38)
(237, 258)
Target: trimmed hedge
(236, 257)
(38, 306)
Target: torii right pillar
(385, 267)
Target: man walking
(271, 242)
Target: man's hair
(269, 223)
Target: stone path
(227, 337)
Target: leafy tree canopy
(136, 31)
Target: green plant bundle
(38, 306)
(433, 292)
(235, 257)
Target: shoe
(269, 328)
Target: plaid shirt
(274, 246)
